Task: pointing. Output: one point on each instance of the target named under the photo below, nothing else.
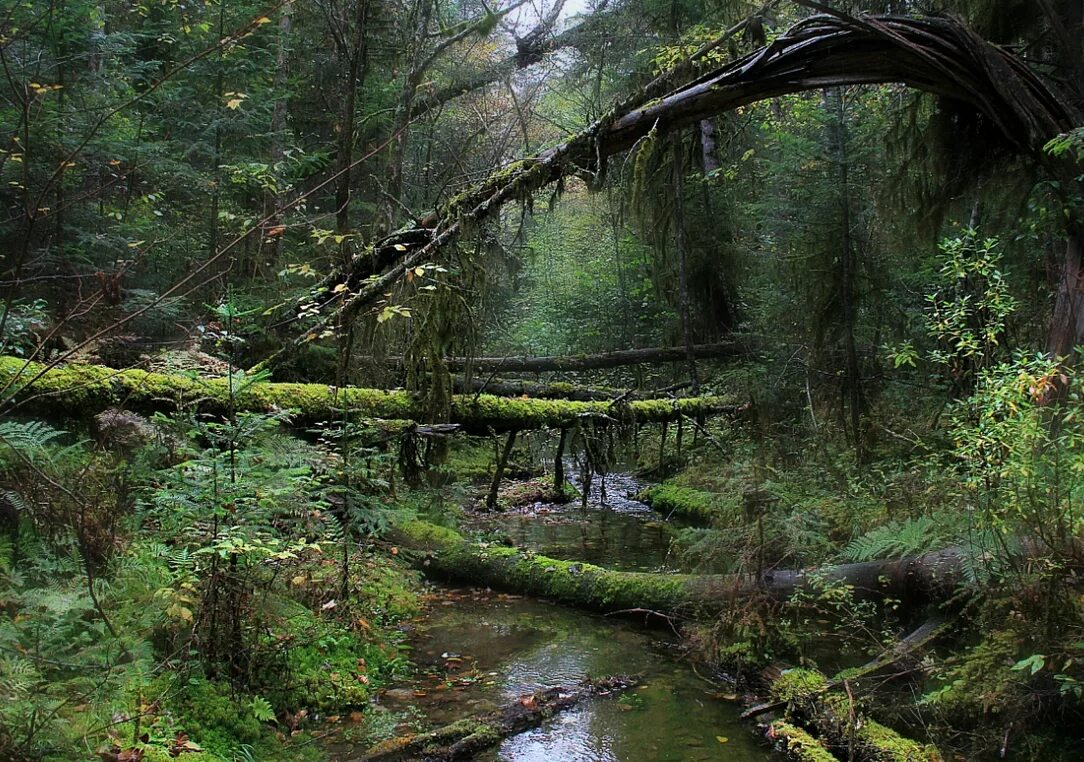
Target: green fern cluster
(896, 539)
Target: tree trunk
(1067, 323)
(559, 463)
(498, 470)
(578, 362)
(558, 390)
(683, 270)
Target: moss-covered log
(447, 554)
(467, 737)
(82, 390)
(842, 725)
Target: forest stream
(476, 650)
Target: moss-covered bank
(694, 505)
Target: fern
(27, 439)
(896, 540)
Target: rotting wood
(841, 724)
(467, 737)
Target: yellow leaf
(339, 288)
(399, 247)
(721, 739)
(233, 103)
(419, 271)
(262, 20)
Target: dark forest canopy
(301, 301)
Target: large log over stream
(937, 55)
(445, 553)
(83, 390)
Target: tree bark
(498, 470)
(1067, 323)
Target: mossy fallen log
(797, 743)
(915, 641)
(445, 553)
(467, 737)
(841, 724)
(81, 390)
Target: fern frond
(896, 540)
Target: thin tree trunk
(848, 291)
(498, 471)
(683, 277)
(559, 462)
(357, 64)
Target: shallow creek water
(477, 650)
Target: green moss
(799, 687)
(693, 504)
(809, 700)
(798, 744)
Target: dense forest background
(878, 282)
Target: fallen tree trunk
(469, 736)
(84, 390)
(579, 362)
(445, 553)
(937, 55)
(558, 390)
(918, 639)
